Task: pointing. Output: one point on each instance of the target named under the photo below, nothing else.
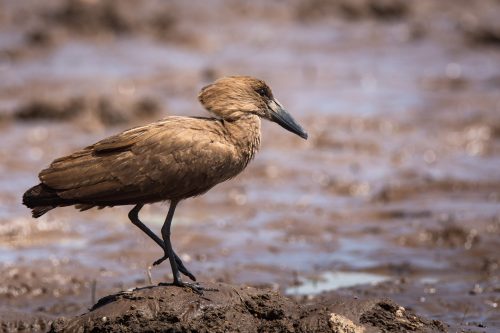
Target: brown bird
(168, 160)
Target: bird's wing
(172, 158)
(189, 161)
(120, 141)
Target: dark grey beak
(284, 119)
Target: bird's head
(234, 97)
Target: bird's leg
(134, 217)
(169, 252)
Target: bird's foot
(180, 265)
(196, 287)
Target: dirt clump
(390, 317)
(105, 110)
(239, 309)
(12, 321)
(482, 27)
(39, 37)
(38, 109)
(89, 18)
(449, 235)
(381, 10)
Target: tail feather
(41, 199)
(40, 210)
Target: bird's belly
(196, 183)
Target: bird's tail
(41, 199)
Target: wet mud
(235, 309)
(396, 194)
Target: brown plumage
(171, 159)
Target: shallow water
(332, 281)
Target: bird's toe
(196, 287)
(159, 261)
(184, 270)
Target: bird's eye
(262, 92)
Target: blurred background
(395, 194)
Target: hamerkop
(168, 160)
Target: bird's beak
(279, 115)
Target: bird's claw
(196, 287)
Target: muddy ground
(395, 195)
(227, 308)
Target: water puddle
(334, 280)
(429, 280)
(65, 245)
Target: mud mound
(238, 309)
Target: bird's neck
(245, 134)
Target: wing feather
(173, 158)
